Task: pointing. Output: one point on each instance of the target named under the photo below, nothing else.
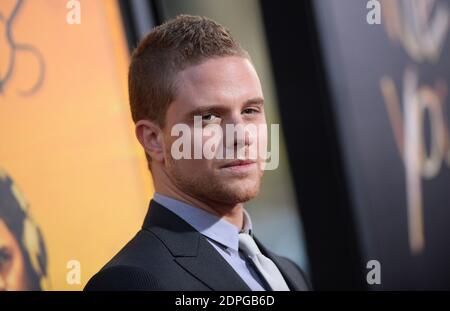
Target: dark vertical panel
(131, 11)
(313, 146)
(378, 74)
(129, 25)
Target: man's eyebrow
(255, 101)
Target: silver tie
(265, 266)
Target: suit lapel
(212, 269)
(191, 250)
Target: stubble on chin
(216, 188)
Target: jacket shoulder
(123, 278)
(135, 267)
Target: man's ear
(149, 135)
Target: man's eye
(209, 117)
(250, 111)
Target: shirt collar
(209, 225)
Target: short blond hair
(170, 48)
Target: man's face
(13, 275)
(224, 90)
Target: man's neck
(233, 213)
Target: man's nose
(238, 133)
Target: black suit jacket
(169, 254)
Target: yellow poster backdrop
(74, 186)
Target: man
(196, 235)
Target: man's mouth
(239, 164)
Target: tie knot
(247, 245)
